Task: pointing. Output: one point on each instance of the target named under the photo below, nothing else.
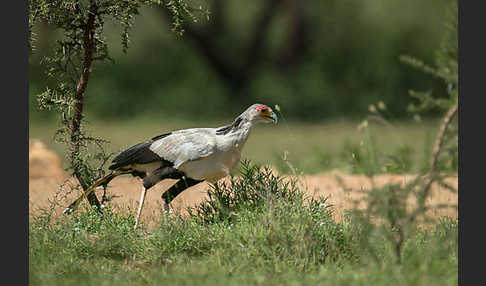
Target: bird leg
(104, 198)
(176, 189)
(140, 205)
(151, 180)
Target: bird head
(261, 113)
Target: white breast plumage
(219, 163)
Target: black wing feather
(228, 128)
(139, 154)
(161, 136)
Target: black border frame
(15, 152)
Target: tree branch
(234, 73)
(440, 136)
(255, 47)
(430, 176)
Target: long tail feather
(72, 207)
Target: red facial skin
(263, 109)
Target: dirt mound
(43, 163)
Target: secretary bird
(189, 155)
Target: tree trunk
(88, 44)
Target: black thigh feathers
(178, 188)
(160, 174)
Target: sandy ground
(46, 178)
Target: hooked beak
(272, 117)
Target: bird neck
(237, 138)
(238, 131)
(242, 131)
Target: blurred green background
(322, 62)
(317, 59)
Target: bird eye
(263, 109)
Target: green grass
(259, 230)
(311, 147)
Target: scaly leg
(140, 205)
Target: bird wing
(185, 145)
(138, 154)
